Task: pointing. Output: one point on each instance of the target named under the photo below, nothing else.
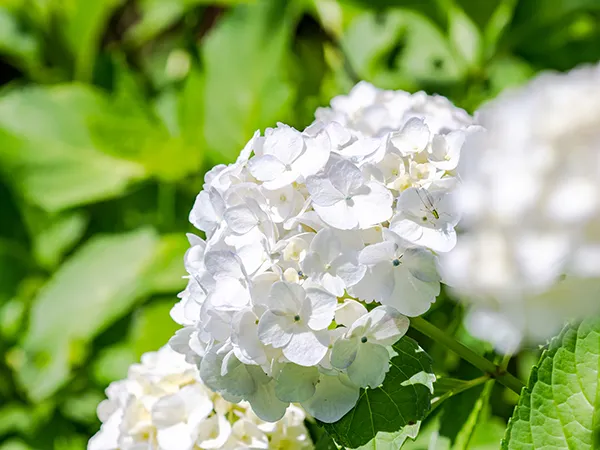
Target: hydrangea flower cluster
(529, 257)
(163, 405)
(302, 231)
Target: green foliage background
(112, 110)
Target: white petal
(340, 215)
(266, 167)
(203, 215)
(370, 366)
(334, 284)
(374, 207)
(413, 137)
(287, 297)
(407, 229)
(349, 312)
(306, 348)
(421, 264)
(286, 178)
(348, 270)
(327, 245)
(377, 284)
(229, 295)
(296, 383)
(168, 411)
(412, 297)
(265, 403)
(345, 177)
(177, 437)
(223, 263)
(240, 219)
(344, 352)
(334, 397)
(315, 155)
(322, 308)
(275, 330)
(387, 325)
(213, 432)
(322, 191)
(285, 143)
(376, 253)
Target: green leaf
(158, 15)
(245, 84)
(98, 284)
(152, 327)
(560, 406)
(403, 399)
(53, 235)
(132, 131)
(392, 441)
(70, 171)
(17, 44)
(83, 23)
(166, 275)
(462, 413)
(465, 37)
(400, 49)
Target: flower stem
(488, 367)
(463, 387)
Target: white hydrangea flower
(530, 202)
(362, 350)
(303, 227)
(163, 405)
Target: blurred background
(112, 110)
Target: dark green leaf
(403, 399)
(461, 414)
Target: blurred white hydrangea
(529, 257)
(163, 405)
(300, 230)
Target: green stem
(488, 367)
(463, 387)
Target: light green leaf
(98, 284)
(403, 399)
(18, 45)
(54, 235)
(47, 153)
(560, 406)
(465, 37)
(112, 363)
(152, 327)
(392, 441)
(166, 275)
(245, 84)
(399, 49)
(84, 22)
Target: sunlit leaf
(560, 406)
(245, 84)
(47, 153)
(98, 284)
(402, 400)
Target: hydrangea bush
(323, 246)
(163, 404)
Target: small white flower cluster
(303, 227)
(529, 257)
(163, 405)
